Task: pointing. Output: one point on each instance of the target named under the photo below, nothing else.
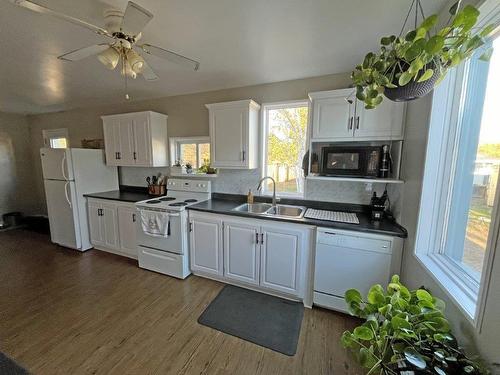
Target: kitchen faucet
(259, 188)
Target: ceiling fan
(124, 31)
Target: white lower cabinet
(205, 244)
(127, 222)
(241, 252)
(260, 254)
(112, 226)
(280, 258)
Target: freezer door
(56, 163)
(63, 213)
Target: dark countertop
(224, 204)
(125, 194)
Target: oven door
(174, 243)
(338, 161)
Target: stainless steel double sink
(280, 210)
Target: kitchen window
(284, 146)
(192, 150)
(458, 219)
(55, 138)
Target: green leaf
(424, 295)
(415, 358)
(420, 34)
(395, 279)
(429, 22)
(486, 56)
(346, 339)
(405, 78)
(352, 295)
(387, 40)
(398, 323)
(441, 324)
(376, 293)
(415, 50)
(363, 333)
(434, 44)
(410, 36)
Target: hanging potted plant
(410, 66)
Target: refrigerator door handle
(66, 193)
(63, 163)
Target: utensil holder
(156, 190)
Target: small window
(284, 146)
(192, 150)
(55, 138)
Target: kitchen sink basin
(286, 211)
(280, 210)
(253, 208)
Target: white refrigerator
(69, 174)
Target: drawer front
(162, 262)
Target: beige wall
(16, 181)
(187, 116)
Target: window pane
(204, 153)
(58, 143)
(286, 146)
(188, 154)
(480, 179)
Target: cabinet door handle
(116, 155)
(243, 155)
(119, 155)
(262, 238)
(350, 122)
(99, 212)
(256, 238)
(133, 218)
(190, 227)
(135, 155)
(357, 122)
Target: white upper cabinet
(338, 116)
(234, 132)
(136, 139)
(382, 123)
(332, 115)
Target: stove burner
(166, 199)
(178, 204)
(191, 200)
(153, 201)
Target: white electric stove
(169, 255)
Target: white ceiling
(238, 42)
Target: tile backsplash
(239, 181)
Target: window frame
(446, 124)
(265, 107)
(175, 143)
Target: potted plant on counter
(189, 168)
(409, 66)
(405, 332)
(177, 168)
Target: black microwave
(357, 161)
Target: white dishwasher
(346, 260)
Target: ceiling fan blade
(148, 73)
(135, 19)
(44, 10)
(82, 53)
(170, 56)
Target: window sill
(193, 175)
(462, 294)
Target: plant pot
(414, 89)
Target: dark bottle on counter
(386, 162)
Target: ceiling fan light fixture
(109, 58)
(127, 71)
(135, 60)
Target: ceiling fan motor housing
(113, 20)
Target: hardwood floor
(64, 312)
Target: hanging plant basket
(414, 89)
(410, 65)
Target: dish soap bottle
(250, 197)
